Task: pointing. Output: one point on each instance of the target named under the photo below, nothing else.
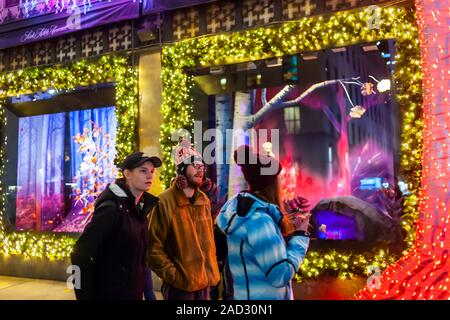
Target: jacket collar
(117, 190)
(200, 198)
(271, 209)
(120, 190)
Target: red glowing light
(418, 275)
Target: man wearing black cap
(111, 250)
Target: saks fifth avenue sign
(39, 33)
(73, 23)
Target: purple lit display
(40, 177)
(56, 190)
(336, 226)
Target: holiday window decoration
(66, 77)
(310, 34)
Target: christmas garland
(77, 74)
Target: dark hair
(121, 180)
(181, 169)
(272, 193)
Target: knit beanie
(184, 155)
(259, 170)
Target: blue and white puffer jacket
(261, 261)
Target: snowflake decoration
(357, 112)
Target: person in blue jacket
(265, 245)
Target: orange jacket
(181, 248)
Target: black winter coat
(111, 250)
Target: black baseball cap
(136, 159)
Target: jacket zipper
(245, 270)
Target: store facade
(123, 75)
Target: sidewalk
(13, 288)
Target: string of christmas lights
(306, 35)
(309, 34)
(31, 7)
(81, 73)
(424, 272)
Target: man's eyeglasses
(199, 167)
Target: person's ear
(126, 173)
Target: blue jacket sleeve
(278, 260)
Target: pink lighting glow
(424, 272)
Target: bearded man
(181, 249)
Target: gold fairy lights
(81, 73)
